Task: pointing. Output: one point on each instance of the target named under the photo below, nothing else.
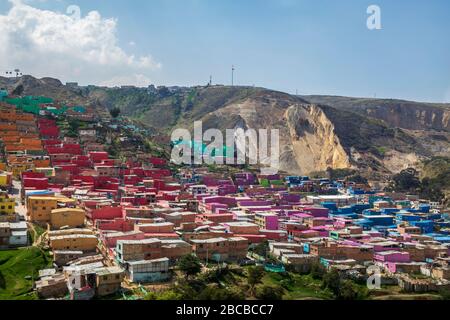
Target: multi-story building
(74, 242)
(220, 249)
(7, 208)
(267, 220)
(39, 208)
(67, 217)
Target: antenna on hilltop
(210, 80)
(232, 75)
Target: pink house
(119, 224)
(105, 213)
(110, 239)
(392, 256)
(316, 211)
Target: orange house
(8, 127)
(45, 163)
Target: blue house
(427, 226)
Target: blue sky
(313, 46)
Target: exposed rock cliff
(315, 145)
(397, 113)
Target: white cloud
(138, 80)
(47, 43)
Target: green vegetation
(435, 183)
(340, 174)
(267, 292)
(406, 181)
(254, 277)
(378, 151)
(114, 112)
(239, 283)
(35, 232)
(18, 90)
(18, 268)
(262, 249)
(190, 265)
(357, 131)
(436, 179)
(342, 289)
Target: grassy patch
(38, 231)
(17, 268)
(298, 287)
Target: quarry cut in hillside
(308, 142)
(315, 146)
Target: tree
(357, 178)
(2, 281)
(347, 291)
(332, 281)
(405, 181)
(163, 91)
(431, 190)
(262, 249)
(267, 292)
(255, 275)
(115, 112)
(190, 265)
(317, 271)
(342, 289)
(18, 90)
(74, 126)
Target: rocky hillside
(315, 134)
(377, 136)
(397, 113)
(49, 87)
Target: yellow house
(70, 217)
(75, 242)
(39, 208)
(5, 179)
(18, 168)
(7, 205)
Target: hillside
(378, 137)
(397, 113)
(314, 137)
(436, 171)
(52, 88)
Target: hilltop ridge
(377, 136)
